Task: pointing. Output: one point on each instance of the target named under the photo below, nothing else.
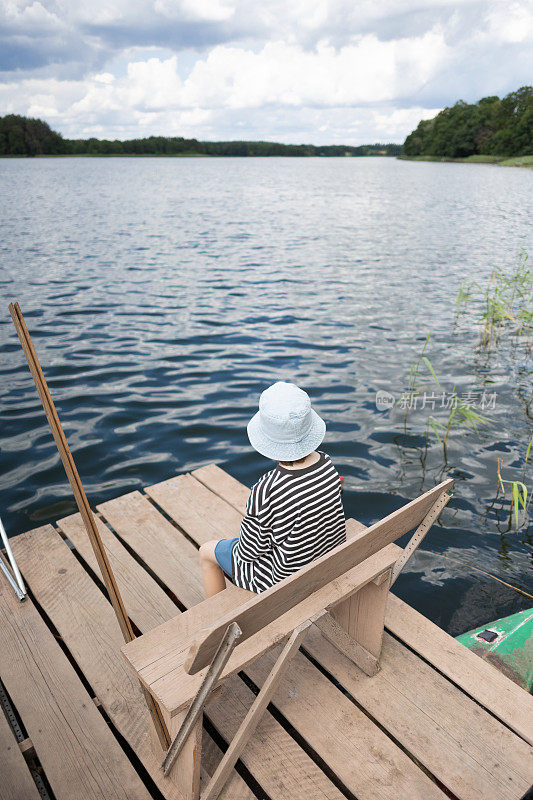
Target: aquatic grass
(518, 161)
(461, 414)
(519, 495)
(464, 294)
(528, 452)
(506, 304)
(414, 386)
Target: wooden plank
(363, 757)
(201, 514)
(85, 620)
(158, 656)
(132, 584)
(254, 714)
(163, 548)
(194, 713)
(467, 749)
(236, 788)
(79, 754)
(272, 603)
(16, 782)
(272, 756)
(493, 690)
(224, 485)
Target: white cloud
(321, 70)
(214, 10)
(367, 71)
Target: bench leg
(362, 616)
(255, 712)
(186, 772)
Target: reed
(460, 413)
(414, 385)
(519, 492)
(504, 305)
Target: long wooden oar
(83, 504)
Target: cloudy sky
(320, 71)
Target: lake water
(163, 295)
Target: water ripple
(163, 295)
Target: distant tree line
(489, 127)
(22, 136)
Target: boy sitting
(294, 512)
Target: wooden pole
(82, 503)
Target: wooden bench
(344, 593)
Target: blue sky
(320, 71)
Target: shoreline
(188, 155)
(500, 161)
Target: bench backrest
(262, 609)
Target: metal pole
(194, 712)
(18, 583)
(11, 580)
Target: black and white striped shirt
(292, 517)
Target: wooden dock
(436, 722)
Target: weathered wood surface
(466, 748)
(269, 605)
(157, 542)
(476, 677)
(236, 789)
(85, 620)
(187, 770)
(201, 514)
(16, 782)
(437, 723)
(79, 754)
(337, 635)
(146, 614)
(365, 759)
(224, 485)
(363, 614)
(272, 756)
(159, 656)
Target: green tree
(490, 126)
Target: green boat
(507, 644)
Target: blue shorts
(223, 550)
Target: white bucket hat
(285, 428)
